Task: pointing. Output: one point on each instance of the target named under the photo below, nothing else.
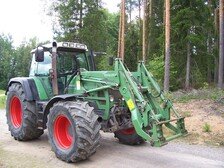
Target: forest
(194, 38)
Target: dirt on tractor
(204, 121)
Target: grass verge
(201, 94)
(2, 99)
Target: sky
(24, 19)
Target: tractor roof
(65, 45)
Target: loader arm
(137, 89)
(147, 115)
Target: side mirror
(111, 61)
(39, 54)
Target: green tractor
(65, 94)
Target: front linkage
(148, 117)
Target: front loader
(65, 94)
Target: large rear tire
(128, 136)
(21, 115)
(73, 130)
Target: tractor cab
(70, 58)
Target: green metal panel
(40, 88)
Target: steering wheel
(70, 79)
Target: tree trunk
(209, 46)
(167, 48)
(144, 30)
(216, 62)
(121, 32)
(209, 50)
(130, 14)
(188, 67)
(97, 4)
(119, 35)
(140, 29)
(221, 43)
(149, 24)
(139, 11)
(81, 14)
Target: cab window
(67, 63)
(41, 68)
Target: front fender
(29, 87)
(67, 97)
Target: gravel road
(38, 153)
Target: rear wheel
(21, 115)
(73, 130)
(128, 136)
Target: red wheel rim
(16, 112)
(63, 132)
(128, 131)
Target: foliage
(70, 15)
(102, 63)
(6, 60)
(192, 22)
(131, 45)
(207, 127)
(156, 67)
(87, 21)
(23, 57)
(14, 61)
(95, 32)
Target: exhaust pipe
(54, 76)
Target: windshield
(67, 63)
(70, 62)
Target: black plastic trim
(28, 85)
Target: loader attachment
(151, 112)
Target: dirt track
(111, 154)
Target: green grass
(2, 92)
(201, 94)
(207, 127)
(2, 99)
(186, 114)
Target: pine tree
(221, 42)
(167, 46)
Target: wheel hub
(16, 112)
(63, 132)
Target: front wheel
(21, 115)
(73, 130)
(129, 137)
